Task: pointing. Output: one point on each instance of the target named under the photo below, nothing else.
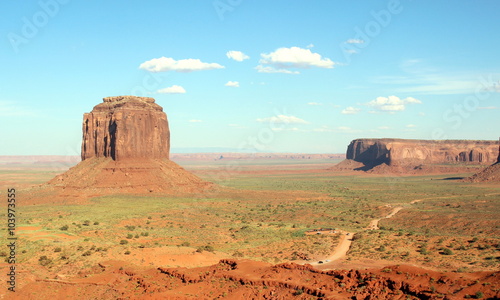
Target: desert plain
(277, 227)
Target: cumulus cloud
(283, 119)
(411, 126)
(237, 55)
(195, 121)
(286, 129)
(164, 64)
(175, 89)
(262, 69)
(293, 57)
(392, 103)
(350, 110)
(232, 83)
(355, 41)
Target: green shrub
(44, 260)
(64, 228)
(447, 251)
(205, 248)
(123, 242)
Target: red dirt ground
(244, 279)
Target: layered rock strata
(126, 127)
(393, 152)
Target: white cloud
(310, 46)
(295, 57)
(175, 89)
(392, 103)
(355, 41)
(350, 110)
(488, 107)
(164, 64)
(237, 55)
(262, 69)
(384, 127)
(411, 126)
(285, 129)
(314, 103)
(195, 121)
(282, 119)
(233, 84)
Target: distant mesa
(125, 149)
(380, 155)
(490, 173)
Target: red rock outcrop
(245, 279)
(398, 152)
(489, 174)
(126, 127)
(125, 149)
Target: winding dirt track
(346, 237)
(340, 251)
(374, 223)
(346, 240)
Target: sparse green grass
(261, 226)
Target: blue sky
(276, 76)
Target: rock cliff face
(488, 174)
(126, 127)
(394, 152)
(125, 149)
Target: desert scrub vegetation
(427, 250)
(273, 224)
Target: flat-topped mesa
(126, 127)
(372, 152)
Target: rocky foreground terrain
(245, 279)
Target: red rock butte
(125, 149)
(126, 127)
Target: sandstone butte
(489, 174)
(126, 127)
(366, 154)
(125, 149)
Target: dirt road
(346, 240)
(340, 251)
(374, 223)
